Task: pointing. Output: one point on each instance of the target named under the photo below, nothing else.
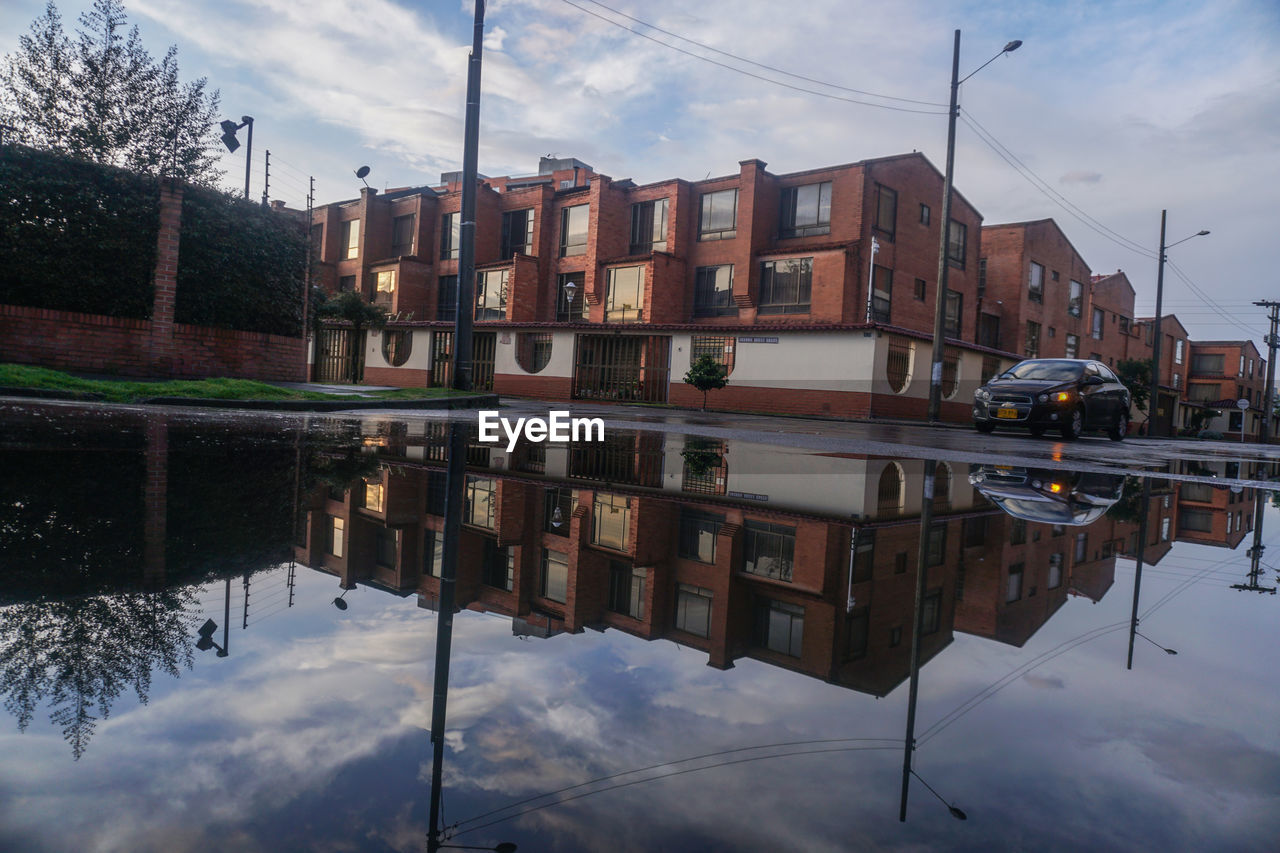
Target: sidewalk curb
(472, 401)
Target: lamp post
(570, 290)
(229, 129)
(1153, 402)
(939, 308)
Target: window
(898, 366)
(931, 613)
(533, 350)
(1177, 350)
(989, 330)
(384, 286)
(1017, 532)
(1013, 590)
(611, 521)
(1098, 325)
(924, 214)
(481, 509)
(1072, 347)
(718, 347)
(768, 550)
(785, 286)
(1035, 283)
(1076, 300)
(450, 236)
(432, 553)
(982, 277)
(1055, 570)
(558, 508)
(779, 626)
(384, 547)
(337, 535)
(402, 233)
(626, 589)
(649, 226)
(1164, 528)
(713, 292)
(698, 532)
(956, 240)
(555, 576)
(447, 298)
(517, 233)
(1124, 325)
(693, 609)
(375, 497)
(920, 289)
(568, 309)
(347, 284)
(396, 346)
(1052, 332)
(951, 314)
(498, 566)
(350, 239)
(886, 210)
(806, 211)
(973, 532)
(573, 230)
(856, 631)
(1032, 348)
(491, 294)
(1082, 547)
(1241, 371)
(936, 545)
(881, 294)
(718, 215)
(864, 554)
(624, 299)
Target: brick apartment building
(1220, 374)
(593, 288)
(1167, 412)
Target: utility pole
(266, 179)
(944, 262)
(1273, 340)
(467, 231)
(1153, 402)
(306, 285)
(922, 569)
(1255, 553)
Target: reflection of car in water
(1076, 498)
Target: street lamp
(956, 813)
(1157, 645)
(1153, 402)
(229, 128)
(935, 377)
(570, 290)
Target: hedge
(240, 266)
(76, 236)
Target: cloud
(1080, 177)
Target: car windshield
(1045, 369)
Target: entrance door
(622, 368)
(334, 349)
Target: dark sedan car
(1075, 498)
(1067, 394)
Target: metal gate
(623, 368)
(334, 350)
(484, 347)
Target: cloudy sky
(1116, 109)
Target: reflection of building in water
(802, 560)
(1214, 515)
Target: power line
(1207, 300)
(748, 73)
(760, 64)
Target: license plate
(1006, 413)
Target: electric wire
(750, 74)
(672, 763)
(761, 64)
(1209, 301)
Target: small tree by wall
(707, 374)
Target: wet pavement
(220, 632)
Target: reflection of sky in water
(313, 735)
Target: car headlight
(982, 394)
(1044, 398)
(1062, 396)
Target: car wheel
(1036, 431)
(1121, 427)
(984, 426)
(1073, 427)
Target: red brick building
(1222, 373)
(1167, 412)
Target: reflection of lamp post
(229, 129)
(944, 262)
(339, 603)
(1154, 643)
(956, 813)
(206, 630)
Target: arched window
(396, 346)
(889, 498)
(898, 366)
(942, 486)
(533, 350)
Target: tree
(1135, 373)
(102, 98)
(707, 374)
(352, 308)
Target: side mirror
(1094, 380)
